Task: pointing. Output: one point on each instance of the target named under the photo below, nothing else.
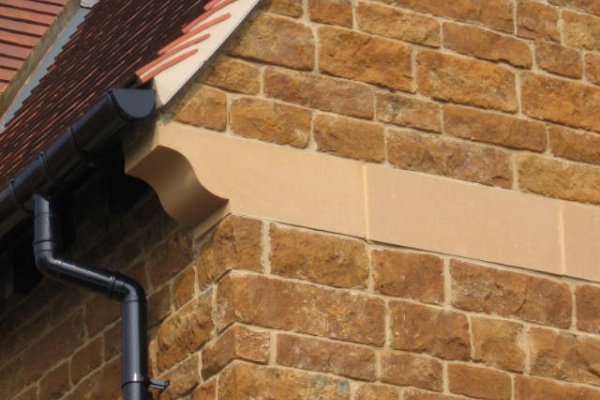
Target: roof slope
(22, 25)
(117, 38)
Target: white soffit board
(168, 82)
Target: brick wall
(255, 309)
(497, 92)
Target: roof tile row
(117, 38)
(22, 23)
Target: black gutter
(70, 158)
(58, 169)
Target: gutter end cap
(133, 104)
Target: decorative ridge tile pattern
(22, 24)
(180, 61)
(117, 38)
(193, 33)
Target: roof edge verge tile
(172, 71)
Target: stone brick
(183, 288)
(414, 276)
(564, 356)
(233, 75)
(591, 7)
(317, 91)
(365, 58)
(55, 384)
(506, 293)
(416, 394)
(558, 59)
(581, 31)
(324, 356)
(536, 20)
(31, 393)
(206, 391)
(391, 22)
(407, 369)
(270, 121)
(54, 346)
(498, 343)
(86, 360)
(275, 40)
(17, 334)
(369, 391)
(451, 78)
(494, 128)
(12, 369)
(102, 384)
(291, 8)
(419, 328)
(243, 381)
(349, 138)
(112, 341)
(170, 258)
(592, 67)
(529, 388)
(438, 155)
(153, 354)
(62, 305)
(553, 354)
(304, 308)
(478, 382)
(408, 111)
(481, 43)
(334, 12)
(183, 379)
(203, 106)
(496, 14)
(184, 332)
(547, 302)
(237, 343)
(557, 178)
(319, 258)
(588, 308)
(234, 244)
(159, 305)
(100, 311)
(574, 145)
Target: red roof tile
(26, 15)
(32, 5)
(18, 52)
(6, 74)
(18, 39)
(117, 38)
(21, 27)
(22, 23)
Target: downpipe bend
(47, 246)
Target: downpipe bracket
(160, 385)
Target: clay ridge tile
(173, 53)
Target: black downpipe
(60, 168)
(47, 247)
